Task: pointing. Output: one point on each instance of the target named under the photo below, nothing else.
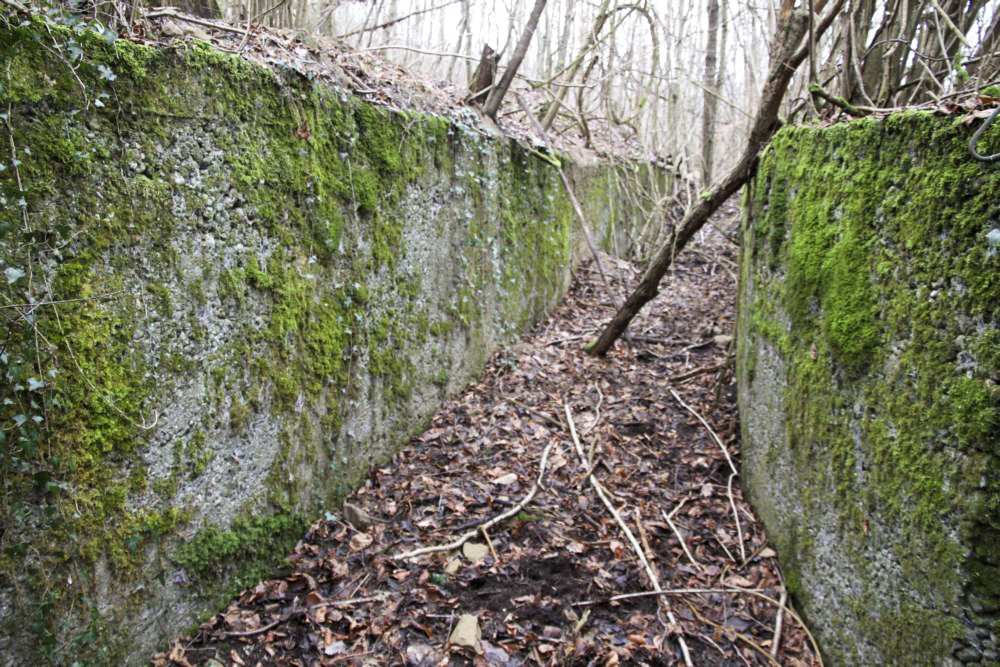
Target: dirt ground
(557, 581)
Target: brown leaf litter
(559, 582)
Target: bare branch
(396, 20)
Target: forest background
(680, 80)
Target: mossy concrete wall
(264, 286)
(869, 357)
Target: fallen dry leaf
(467, 633)
(475, 552)
(505, 480)
(361, 541)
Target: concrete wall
(869, 357)
(265, 287)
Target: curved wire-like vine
(979, 133)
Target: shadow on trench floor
(557, 580)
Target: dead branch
(739, 635)
(786, 58)
(680, 538)
(191, 19)
(396, 20)
(330, 603)
(492, 522)
(602, 494)
(16, 5)
(776, 641)
(489, 543)
(725, 450)
(541, 415)
(254, 23)
(735, 590)
(698, 371)
(732, 468)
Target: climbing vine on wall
(35, 353)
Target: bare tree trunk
(983, 65)
(512, 20)
(564, 37)
(595, 31)
(463, 37)
(709, 101)
(496, 95)
(786, 56)
(393, 13)
(208, 9)
(720, 72)
(371, 17)
(544, 44)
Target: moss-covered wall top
(227, 292)
(869, 354)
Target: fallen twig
(776, 641)
(666, 591)
(732, 467)
(736, 516)
(492, 522)
(597, 419)
(560, 341)
(735, 590)
(746, 640)
(489, 543)
(572, 199)
(302, 610)
(642, 534)
(678, 533)
(17, 5)
(34, 306)
(191, 19)
(654, 581)
(698, 371)
(541, 415)
(261, 630)
(251, 27)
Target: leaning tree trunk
(786, 57)
(496, 95)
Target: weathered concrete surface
(267, 286)
(869, 357)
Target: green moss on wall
(225, 561)
(871, 278)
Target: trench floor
(550, 583)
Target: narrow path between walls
(540, 586)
